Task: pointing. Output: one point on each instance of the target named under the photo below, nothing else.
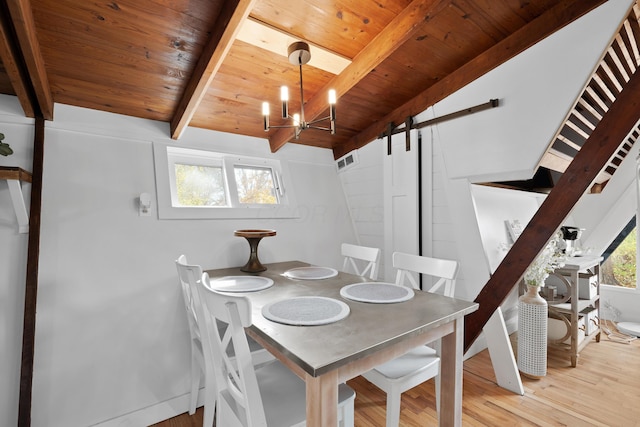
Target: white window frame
(229, 166)
(165, 185)
(195, 158)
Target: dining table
(325, 355)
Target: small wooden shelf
(566, 306)
(19, 174)
(14, 176)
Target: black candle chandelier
(299, 55)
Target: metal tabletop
(369, 328)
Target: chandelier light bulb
(265, 115)
(332, 96)
(332, 110)
(284, 97)
(284, 93)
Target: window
(619, 265)
(204, 184)
(199, 185)
(255, 185)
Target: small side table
(254, 237)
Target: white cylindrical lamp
(265, 115)
(284, 97)
(332, 110)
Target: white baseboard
(153, 414)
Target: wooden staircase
(596, 136)
(619, 63)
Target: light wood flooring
(603, 390)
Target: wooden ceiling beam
(608, 136)
(565, 12)
(223, 34)
(11, 62)
(21, 56)
(392, 37)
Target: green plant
(5, 150)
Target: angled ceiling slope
(619, 62)
(198, 62)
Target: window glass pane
(255, 185)
(200, 185)
(620, 267)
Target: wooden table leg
(322, 400)
(451, 376)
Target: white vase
(532, 333)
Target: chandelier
(299, 55)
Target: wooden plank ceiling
(190, 63)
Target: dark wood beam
(29, 50)
(12, 62)
(562, 14)
(223, 34)
(611, 132)
(31, 288)
(392, 37)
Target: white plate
(306, 311)
(377, 292)
(241, 283)
(311, 273)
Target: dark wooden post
(31, 290)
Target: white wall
(536, 90)
(493, 207)
(362, 184)
(18, 133)
(620, 196)
(443, 242)
(111, 336)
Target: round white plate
(377, 292)
(311, 273)
(241, 283)
(306, 311)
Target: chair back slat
(355, 258)
(444, 270)
(189, 274)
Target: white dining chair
(189, 275)
(356, 256)
(249, 396)
(186, 274)
(422, 363)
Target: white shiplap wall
(363, 189)
(362, 184)
(443, 240)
